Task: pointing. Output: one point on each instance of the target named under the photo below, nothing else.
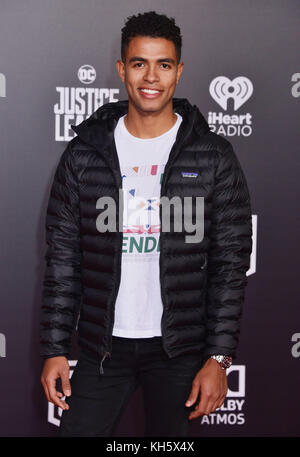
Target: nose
(150, 74)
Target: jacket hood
(98, 129)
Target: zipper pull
(205, 262)
(104, 357)
(78, 317)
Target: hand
(211, 382)
(56, 367)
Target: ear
(179, 71)
(121, 69)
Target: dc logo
(86, 74)
(239, 89)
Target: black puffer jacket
(202, 284)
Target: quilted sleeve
(228, 256)
(61, 293)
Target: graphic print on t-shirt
(141, 221)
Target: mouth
(149, 93)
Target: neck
(149, 124)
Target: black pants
(98, 400)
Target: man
(152, 307)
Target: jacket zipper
(205, 261)
(78, 317)
(177, 145)
(110, 327)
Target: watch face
(226, 362)
(218, 358)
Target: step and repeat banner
(241, 68)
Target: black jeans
(98, 400)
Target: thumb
(65, 383)
(193, 395)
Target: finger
(225, 387)
(65, 383)
(200, 408)
(47, 394)
(54, 398)
(45, 389)
(51, 383)
(221, 402)
(215, 406)
(210, 406)
(194, 394)
(215, 400)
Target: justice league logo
(75, 104)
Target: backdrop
(57, 66)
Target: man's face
(151, 63)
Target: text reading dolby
(230, 93)
(77, 103)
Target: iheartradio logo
(239, 89)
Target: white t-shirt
(139, 308)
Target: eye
(141, 63)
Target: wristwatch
(224, 360)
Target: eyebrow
(137, 58)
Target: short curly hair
(153, 25)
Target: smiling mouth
(150, 91)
